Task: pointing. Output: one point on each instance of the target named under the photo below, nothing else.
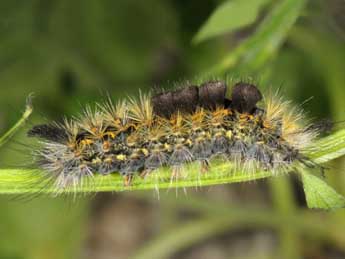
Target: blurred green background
(70, 53)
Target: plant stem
(19, 123)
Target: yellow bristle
(197, 119)
(141, 110)
(115, 115)
(93, 122)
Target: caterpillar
(134, 137)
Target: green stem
(20, 122)
(284, 204)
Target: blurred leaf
(92, 40)
(329, 65)
(119, 48)
(61, 228)
(223, 217)
(264, 43)
(230, 16)
(319, 194)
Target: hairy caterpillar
(175, 128)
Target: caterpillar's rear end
(175, 128)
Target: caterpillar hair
(174, 128)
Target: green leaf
(319, 194)
(264, 43)
(230, 16)
(328, 148)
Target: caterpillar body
(175, 128)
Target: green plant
(28, 110)
(256, 50)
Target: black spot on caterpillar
(174, 128)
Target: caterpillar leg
(127, 180)
(176, 173)
(145, 173)
(204, 167)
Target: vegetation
(73, 51)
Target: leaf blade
(319, 195)
(328, 148)
(263, 44)
(229, 16)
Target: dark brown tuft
(212, 94)
(163, 104)
(186, 99)
(245, 97)
(209, 95)
(49, 132)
